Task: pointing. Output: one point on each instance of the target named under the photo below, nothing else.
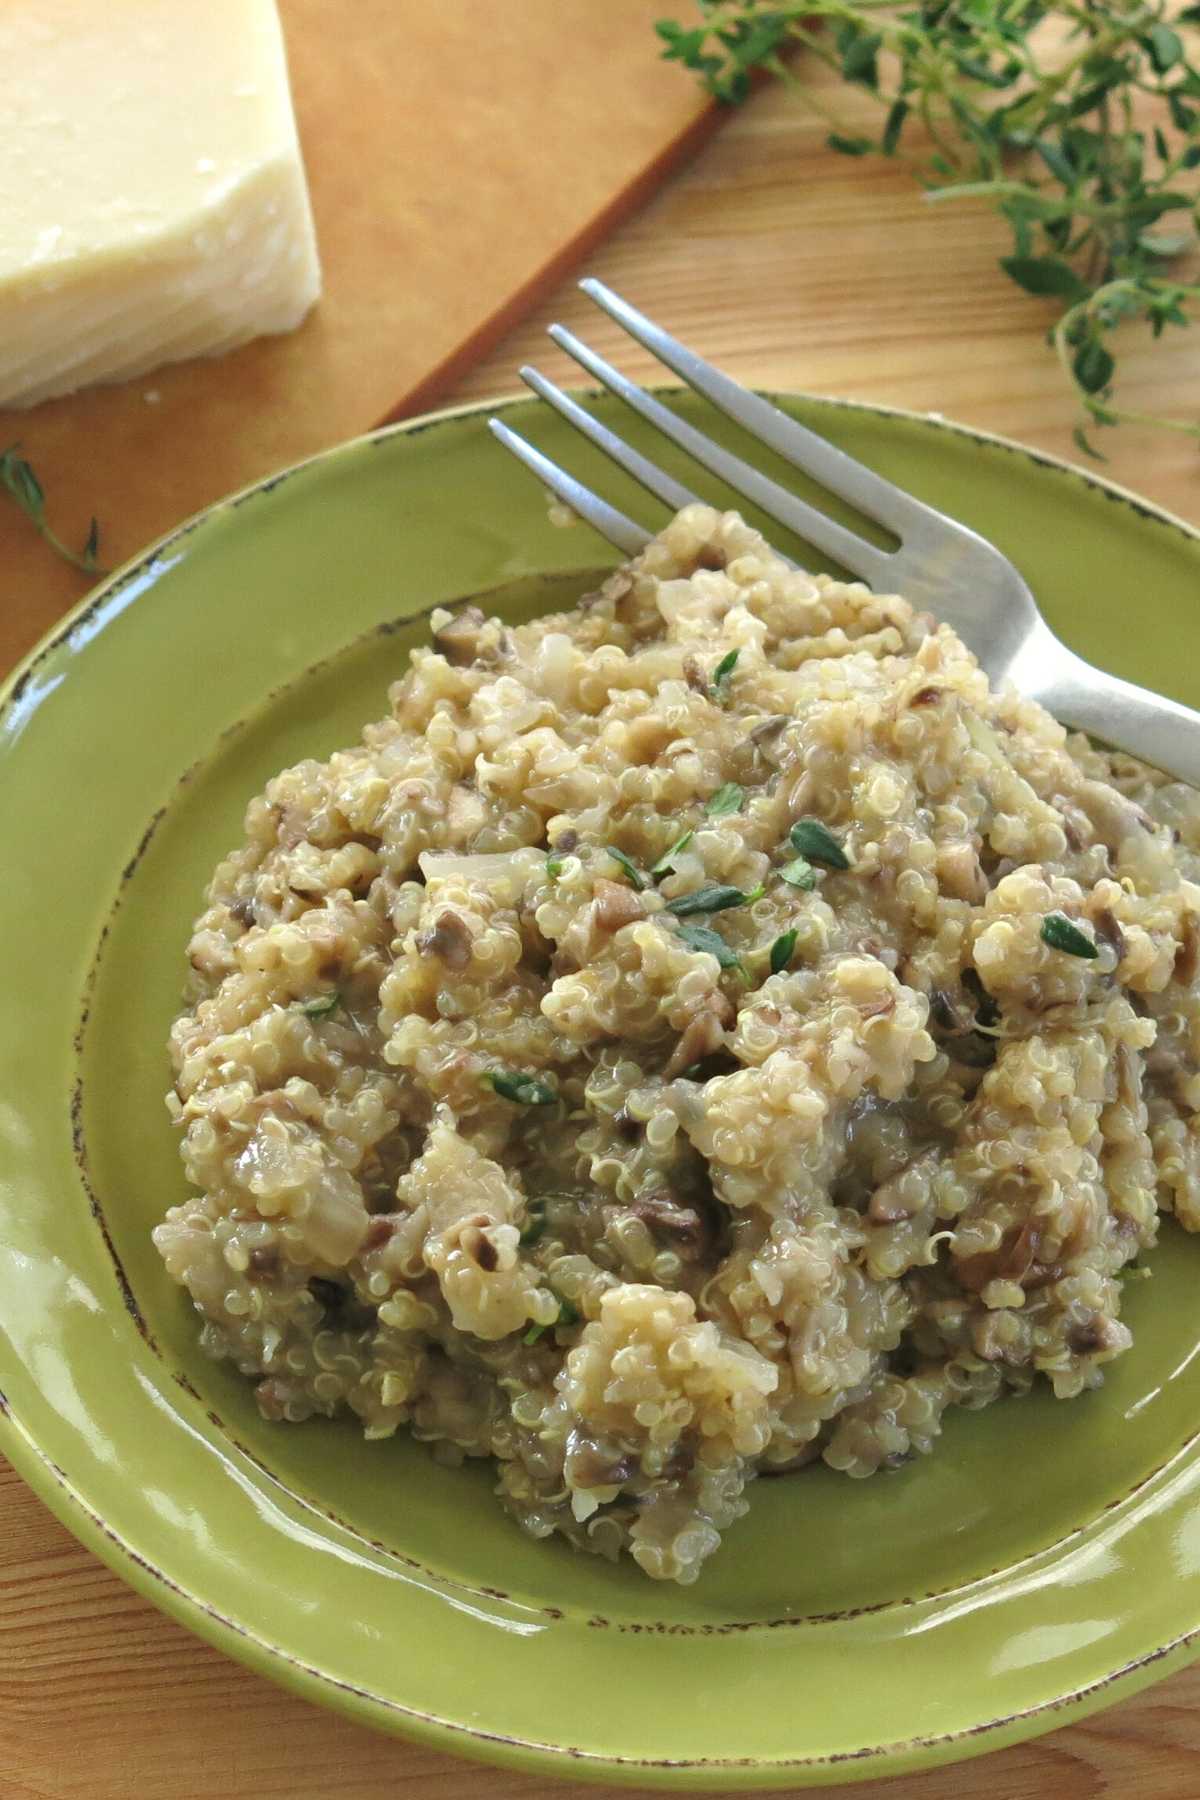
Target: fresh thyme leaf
(702, 937)
(322, 1006)
(521, 1088)
(894, 126)
(1165, 47)
(711, 900)
(815, 841)
(568, 1314)
(1045, 275)
(1167, 244)
(19, 481)
(849, 146)
(636, 878)
(800, 874)
(665, 862)
(1059, 932)
(859, 52)
(1056, 159)
(727, 799)
(723, 674)
(1084, 443)
(1093, 366)
(1078, 124)
(781, 951)
(535, 1222)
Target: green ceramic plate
(1045, 1560)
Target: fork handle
(1131, 718)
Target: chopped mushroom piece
(448, 939)
(379, 1231)
(459, 640)
(687, 1229)
(694, 675)
(1096, 1333)
(884, 1208)
(588, 1465)
(615, 905)
(700, 1038)
(1107, 927)
(1187, 957)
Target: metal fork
(940, 564)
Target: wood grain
(103, 1698)
(794, 268)
(448, 187)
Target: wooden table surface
(793, 267)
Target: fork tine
(826, 534)
(605, 519)
(843, 475)
(624, 455)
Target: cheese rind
(153, 204)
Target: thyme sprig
(1062, 934)
(1078, 122)
(19, 481)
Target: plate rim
(55, 1489)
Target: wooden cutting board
(461, 157)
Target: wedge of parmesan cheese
(153, 204)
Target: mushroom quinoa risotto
(692, 1035)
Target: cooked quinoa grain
(692, 1035)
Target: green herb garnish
(665, 862)
(711, 900)
(781, 951)
(523, 1089)
(1058, 931)
(1078, 124)
(727, 799)
(568, 1314)
(18, 481)
(800, 874)
(702, 937)
(815, 841)
(322, 1006)
(636, 878)
(723, 673)
(535, 1223)
(554, 867)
